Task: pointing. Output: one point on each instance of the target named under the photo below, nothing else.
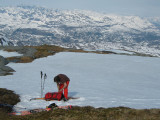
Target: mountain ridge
(26, 25)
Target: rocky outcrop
(3, 61)
(8, 98)
(27, 52)
(5, 70)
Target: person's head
(56, 79)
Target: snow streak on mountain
(25, 25)
(4, 41)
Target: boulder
(3, 61)
(5, 70)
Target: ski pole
(45, 77)
(41, 82)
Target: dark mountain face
(4, 41)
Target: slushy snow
(100, 80)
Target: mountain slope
(26, 25)
(4, 41)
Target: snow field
(99, 80)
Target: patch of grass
(41, 51)
(8, 97)
(26, 59)
(10, 50)
(23, 59)
(44, 51)
(90, 113)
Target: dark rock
(5, 70)
(8, 97)
(3, 61)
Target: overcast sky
(144, 8)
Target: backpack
(53, 96)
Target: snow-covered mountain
(4, 41)
(25, 25)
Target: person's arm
(58, 86)
(65, 85)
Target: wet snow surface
(99, 80)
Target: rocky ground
(6, 70)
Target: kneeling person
(62, 84)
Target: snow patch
(9, 54)
(99, 80)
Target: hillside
(123, 78)
(26, 25)
(4, 41)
